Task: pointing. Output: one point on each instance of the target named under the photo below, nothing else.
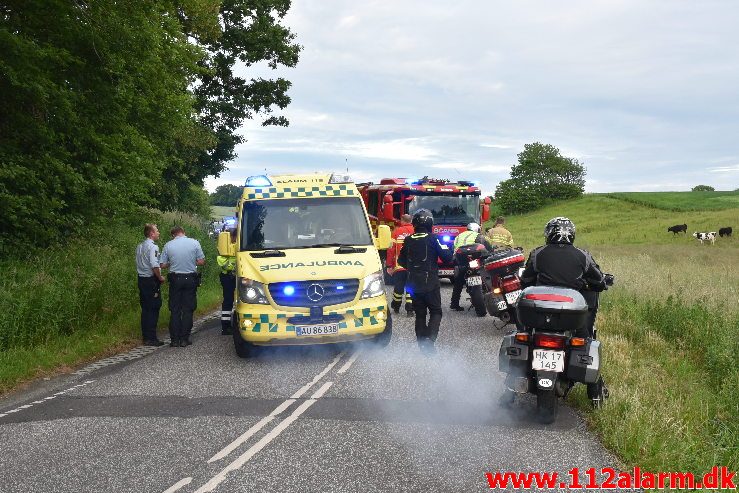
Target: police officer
(400, 275)
(228, 284)
(149, 281)
(498, 235)
(419, 255)
(181, 256)
(469, 237)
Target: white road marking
(310, 384)
(45, 399)
(251, 431)
(269, 418)
(266, 439)
(179, 484)
(348, 364)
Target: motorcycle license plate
(316, 330)
(545, 359)
(512, 297)
(446, 272)
(474, 281)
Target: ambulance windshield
(303, 223)
(448, 209)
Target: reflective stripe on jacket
(500, 236)
(465, 238)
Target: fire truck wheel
(383, 339)
(386, 277)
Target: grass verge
(64, 306)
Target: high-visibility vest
(466, 238)
(227, 264)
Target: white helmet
(474, 227)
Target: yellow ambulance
(307, 264)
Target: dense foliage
(542, 175)
(703, 188)
(110, 106)
(226, 195)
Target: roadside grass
(218, 211)
(64, 306)
(670, 331)
(682, 201)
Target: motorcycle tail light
(522, 337)
(497, 291)
(511, 284)
(474, 264)
(577, 341)
(553, 342)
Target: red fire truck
(453, 204)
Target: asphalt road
(328, 419)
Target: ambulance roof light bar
(258, 181)
(340, 178)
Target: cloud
(725, 169)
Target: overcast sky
(644, 93)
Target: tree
(541, 175)
(703, 188)
(226, 195)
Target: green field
(670, 329)
(682, 201)
(218, 212)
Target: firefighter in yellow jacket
(498, 235)
(228, 283)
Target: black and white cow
(705, 237)
(725, 231)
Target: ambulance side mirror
(383, 240)
(225, 247)
(387, 207)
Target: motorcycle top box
(504, 262)
(473, 251)
(552, 308)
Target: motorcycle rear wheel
(547, 406)
(477, 301)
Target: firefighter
(400, 275)
(419, 255)
(469, 237)
(228, 284)
(498, 235)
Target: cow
(678, 228)
(705, 237)
(725, 231)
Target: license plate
(512, 297)
(316, 330)
(502, 305)
(545, 359)
(474, 281)
(446, 272)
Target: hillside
(682, 201)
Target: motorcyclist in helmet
(419, 256)
(560, 263)
(472, 235)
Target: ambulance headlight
(373, 285)
(251, 291)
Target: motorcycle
(502, 284)
(546, 358)
(472, 271)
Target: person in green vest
(228, 284)
(469, 237)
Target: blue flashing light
(289, 290)
(339, 288)
(258, 181)
(447, 238)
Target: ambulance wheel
(383, 338)
(243, 348)
(547, 405)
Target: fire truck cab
(453, 204)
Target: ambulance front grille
(314, 293)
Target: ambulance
(307, 264)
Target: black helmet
(423, 219)
(560, 230)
